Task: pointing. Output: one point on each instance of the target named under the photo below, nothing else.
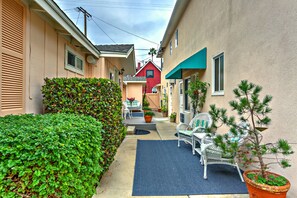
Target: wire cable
(125, 31)
(103, 30)
(77, 18)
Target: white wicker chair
(126, 111)
(197, 125)
(211, 154)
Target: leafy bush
(149, 113)
(53, 155)
(99, 98)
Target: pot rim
(274, 189)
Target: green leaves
(197, 92)
(251, 109)
(97, 97)
(49, 155)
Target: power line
(126, 31)
(77, 18)
(103, 31)
(86, 15)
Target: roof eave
(58, 15)
(178, 11)
(116, 54)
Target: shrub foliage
(53, 155)
(99, 98)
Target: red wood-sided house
(153, 76)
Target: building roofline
(178, 11)
(116, 54)
(60, 17)
(145, 66)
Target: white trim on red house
(145, 66)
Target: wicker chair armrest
(182, 126)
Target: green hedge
(53, 155)
(99, 98)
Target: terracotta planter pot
(257, 190)
(172, 119)
(159, 110)
(148, 119)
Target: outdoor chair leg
(239, 172)
(205, 170)
(193, 146)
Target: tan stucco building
(224, 42)
(38, 40)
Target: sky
(144, 20)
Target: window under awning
(196, 61)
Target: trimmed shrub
(53, 155)
(99, 98)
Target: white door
(181, 97)
(170, 100)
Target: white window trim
(217, 93)
(70, 67)
(176, 38)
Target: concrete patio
(118, 181)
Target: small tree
(152, 52)
(197, 92)
(251, 110)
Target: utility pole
(86, 15)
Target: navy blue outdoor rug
(137, 114)
(163, 169)
(141, 132)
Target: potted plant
(145, 109)
(131, 100)
(260, 182)
(197, 92)
(148, 116)
(164, 110)
(145, 102)
(172, 117)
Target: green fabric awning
(196, 61)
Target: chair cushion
(200, 123)
(186, 132)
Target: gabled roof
(146, 65)
(121, 51)
(134, 79)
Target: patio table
(197, 137)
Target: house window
(176, 38)
(111, 76)
(187, 98)
(149, 73)
(170, 46)
(218, 75)
(73, 62)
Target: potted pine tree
(148, 116)
(260, 182)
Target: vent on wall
(185, 117)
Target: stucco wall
(259, 42)
(134, 90)
(45, 58)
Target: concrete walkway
(118, 181)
